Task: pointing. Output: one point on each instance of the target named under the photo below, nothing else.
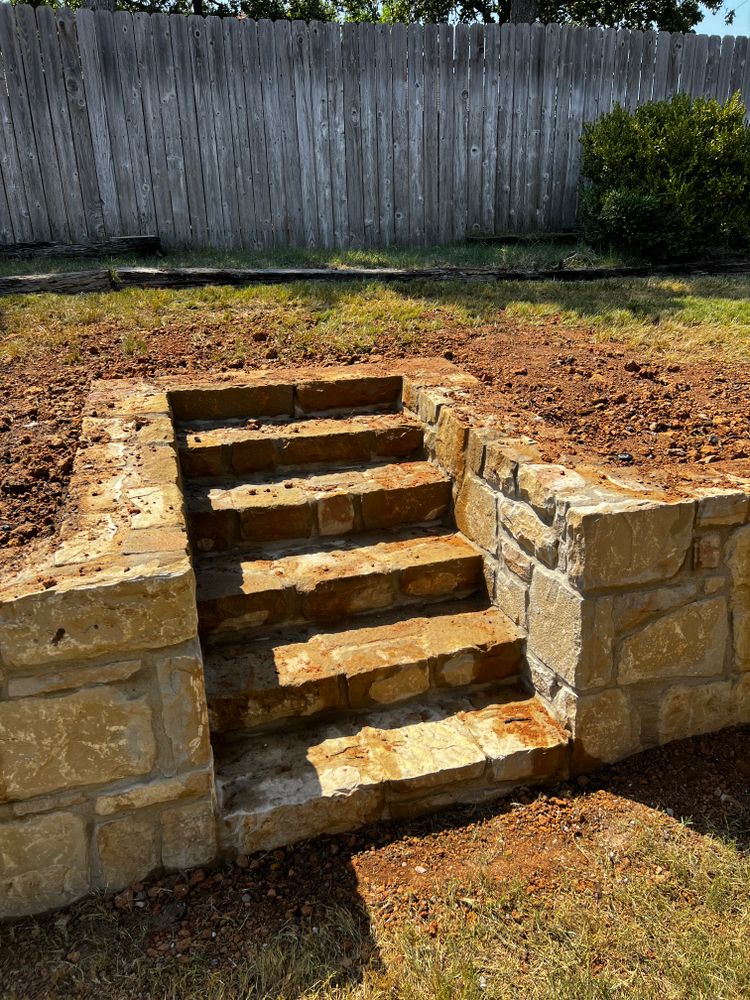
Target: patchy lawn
(633, 883)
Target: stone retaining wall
(105, 761)
(636, 607)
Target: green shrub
(670, 179)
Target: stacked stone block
(635, 605)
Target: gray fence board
(232, 133)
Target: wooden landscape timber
(243, 134)
(115, 279)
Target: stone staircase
(355, 668)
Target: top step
(322, 393)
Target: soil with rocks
(583, 403)
(391, 873)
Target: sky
(713, 24)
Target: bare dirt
(397, 874)
(584, 403)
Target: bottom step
(278, 788)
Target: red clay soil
(582, 402)
(392, 873)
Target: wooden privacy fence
(226, 133)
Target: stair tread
(286, 490)
(205, 433)
(360, 768)
(313, 565)
(293, 657)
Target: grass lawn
(686, 318)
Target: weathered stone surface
(618, 545)
(511, 595)
(156, 792)
(479, 437)
(723, 507)
(516, 560)
(90, 737)
(73, 677)
(741, 628)
(341, 391)
(336, 514)
(570, 633)
(188, 835)
(741, 700)
(206, 403)
(738, 556)
(542, 486)
(606, 728)
(43, 863)
(635, 608)
(84, 618)
(128, 850)
(707, 551)
(690, 641)
(450, 443)
(476, 513)
(692, 710)
(520, 521)
(183, 706)
(429, 404)
(502, 460)
(155, 507)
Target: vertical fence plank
(711, 80)
(305, 145)
(368, 112)
(562, 127)
(460, 128)
(505, 128)
(445, 125)
(62, 129)
(134, 124)
(415, 59)
(575, 120)
(384, 92)
(635, 54)
(353, 135)
(549, 104)
(168, 120)
(474, 132)
(400, 119)
(267, 94)
(532, 169)
(431, 134)
(34, 91)
(726, 60)
(258, 145)
(648, 60)
(661, 66)
(222, 122)
(19, 116)
(239, 117)
(320, 133)
(157, 154)
(609, 51)
(489, 127)
(337, 130)
(179, 40)
(739, 58)
(289, 139)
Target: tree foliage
(664, 15)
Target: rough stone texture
(73, 677)
(723, 508)
(155, 793)
(90, 737)
(188, 835)
(606, 728)
(450, 443)
(543, 486)
(502, 460)
(184, 713)
(128, 850)
(570, 633)
(688, 642)
(520, 521)
(43, 863)
(692, 710)
(84, 619)
(617, 547)
(476, 513)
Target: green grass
(663, 916)
(686, 318)
(526, 255)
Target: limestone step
(278, 788)
(334, 577)
(380, 659)
(355, 499)
(223, 448)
